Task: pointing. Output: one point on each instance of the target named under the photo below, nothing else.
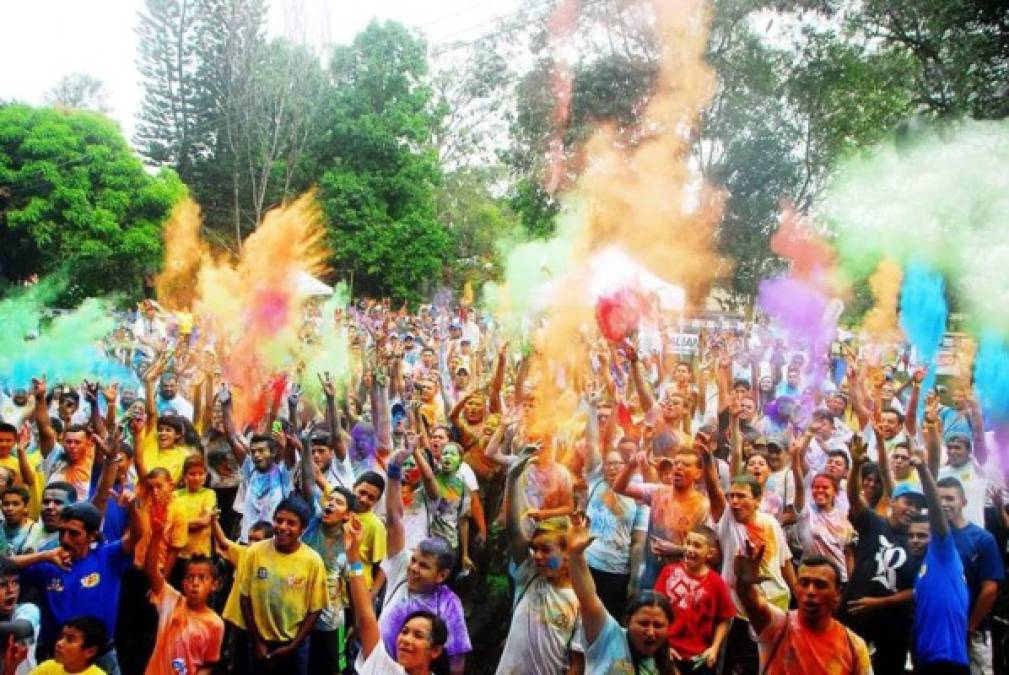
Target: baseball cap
(909, 490)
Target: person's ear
(90, 654)
(436, 651)
(442, 575)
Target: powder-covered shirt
(185, 637)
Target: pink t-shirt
(194, 638)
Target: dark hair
(872, 468)
(959, 438)
(740, 383)
(707, 533)
(200, 559)
(72, 395)
(296, 506)
(823, 415)
(438, 638)
(372, 478)
(264, 438)
(746, 479)
(442, 551)
(947, 482)
(173, 422)
(65, 487)
(348, 496)
(8, 568)
(842, 454)
(919, 518)
(57, 424)
(899, 414)
(93, 632)
(19, 490)
(664, 444)
(8, 428)
(264, 526)
(820, 561)
(663, 664)
(76, 428)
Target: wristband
(394, 472)
(356, 569)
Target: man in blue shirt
(982, 566)
(940, 593)
(79, 580)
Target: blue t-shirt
(610, 653)
(263, 491)
(940, 605)
(90, 587)
(980, 557)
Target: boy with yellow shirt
(80, 643)
(282, 590)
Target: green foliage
(380, 166)
(73, 195)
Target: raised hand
(111, 393)
(747, 565)
(91, 392)
(858, 448)
(353, 534)
(578, 537)
(294, 396)
(224, 394)
(39, 388)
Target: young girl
(197, 502)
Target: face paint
(451, 459)
(554, 562)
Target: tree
(79, 91)
(380, 165)
(959, 50)
(169, 131)
(478, 222)
(74, 196)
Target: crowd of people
(751, 507)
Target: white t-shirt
(545, 627)
(826, 534)
(732, 537)
(378, 663)
(611, 551)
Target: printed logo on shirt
(91, 580)
(55, 586)
(295, 582)
(921, 572)
(262, 573)
(889, 558)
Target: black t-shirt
(724, 438)
(883, 566)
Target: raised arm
(798, 449)
(518, 544)
(911, 417)
(936, 518)
(152, 559)
(622, 484)
(46, 433)
(645, 396)
(933, 434)
(109, 452)
(978, 441)
(747, 569)
(593, 612)
(856, 505)
(365, 620)
(235, 442)
(394, 531)
(497, 381)
(716, 497)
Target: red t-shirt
(699, 604)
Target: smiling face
(422, 573)
(167, 437)
(414, 649)
(957, 452)
(823, 492)
(699, 551)
(195, 477)
(287, 529)
(902, 511)
(647, 629)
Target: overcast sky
(43, 40)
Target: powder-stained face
(451, 458)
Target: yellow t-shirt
(172, 460)
(50, 667)
(232, 608)
(372, 544)
(196, 505)
(283, 588)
